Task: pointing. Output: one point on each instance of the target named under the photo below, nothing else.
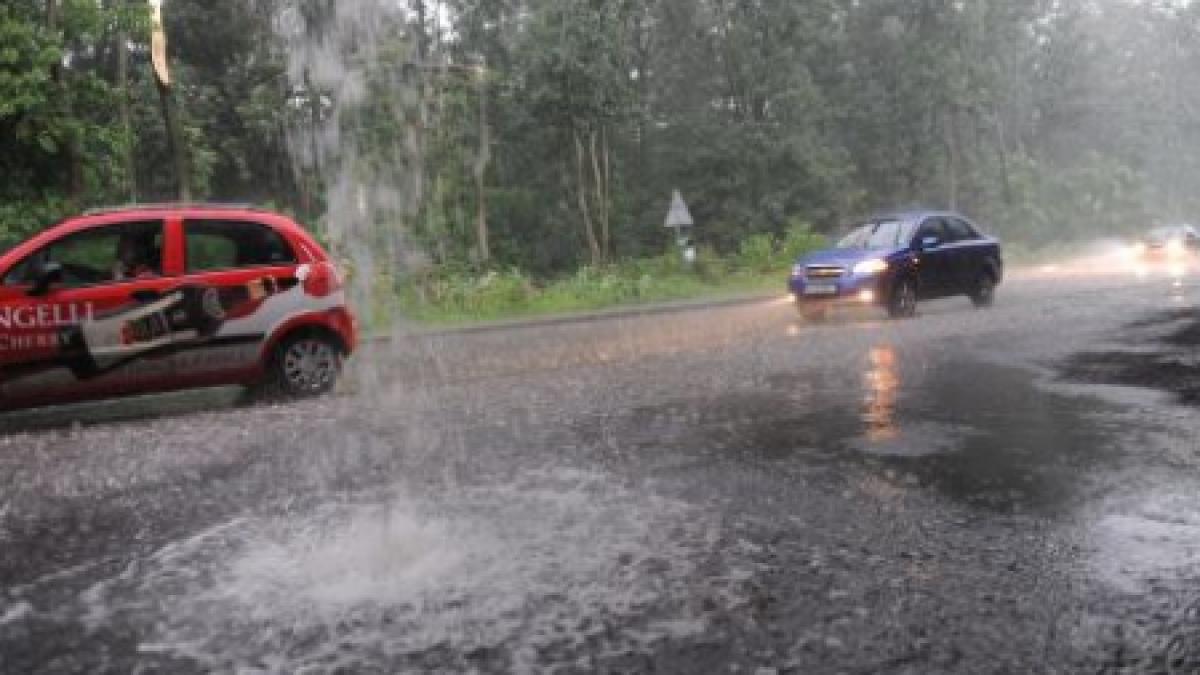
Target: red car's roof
(112, 216)
(174, 207)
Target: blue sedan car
(894, 261)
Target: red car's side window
(108, 254)
(216, 245)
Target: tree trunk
(481, 164)
(170, 112)
(126, 118)
(312, 178)
(1005, 171)
(422, 16)
(644, 49)
(608, 250)
(175, 143)
(601, 198)
(582, 190)
(72, 157)
(950, 131)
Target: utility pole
(170, 112)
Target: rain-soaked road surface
(726, 490)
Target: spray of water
(510, 578)
(357, 133)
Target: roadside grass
(510, 295)
(445, 297)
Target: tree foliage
(549, 134)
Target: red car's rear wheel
(303, 366)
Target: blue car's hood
(845, 257)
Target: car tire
(902, 304)
(307, 365)
(984, 293)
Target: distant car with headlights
(896, 260)
(1172, 243)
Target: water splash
(357, 133)
(562, 564)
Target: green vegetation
(449, 297)
(511, 294)
(547, 136)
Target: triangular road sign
(679, 215)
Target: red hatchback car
(159, 298)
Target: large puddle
(986, 435)
(497, 578)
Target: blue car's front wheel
(902, 303)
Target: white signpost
(679, 218)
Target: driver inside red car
(133, 260)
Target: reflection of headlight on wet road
(882, 383)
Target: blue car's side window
(960, 230)
(934, 227)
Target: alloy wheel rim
(310, 365)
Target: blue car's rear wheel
(984, 293)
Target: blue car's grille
(825, 272)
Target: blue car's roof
(907, 217)
(910, 215)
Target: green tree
(59, 145)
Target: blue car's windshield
(878, 235)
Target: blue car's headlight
(869, 268)
(798, 270)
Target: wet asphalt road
(728, 490)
